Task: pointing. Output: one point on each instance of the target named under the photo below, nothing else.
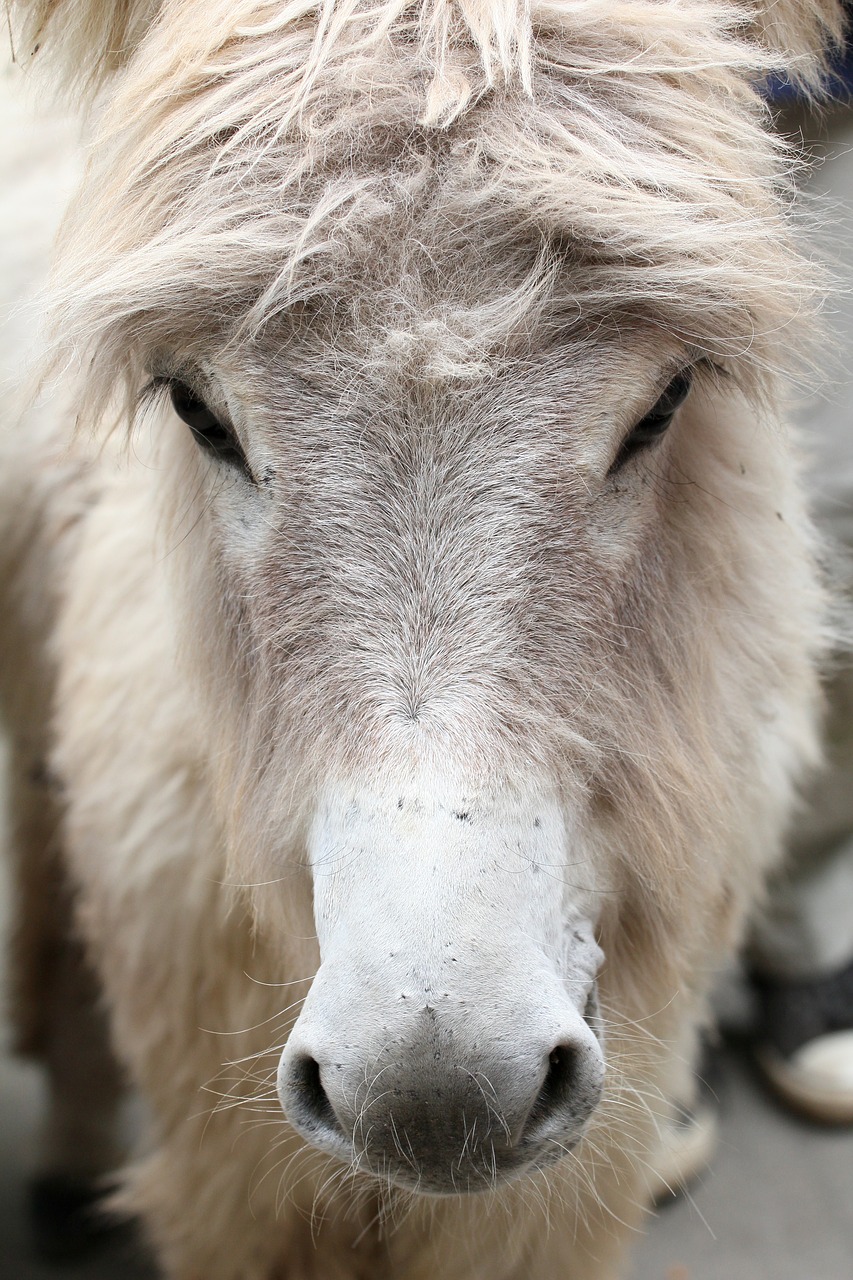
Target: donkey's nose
(439, 1117)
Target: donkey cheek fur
(416, 774)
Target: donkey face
(478, 542)
(432, 584)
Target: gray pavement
(776, 1204)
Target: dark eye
(654, 424)
(213, 436)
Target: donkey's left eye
(654, 424)
(212, 435)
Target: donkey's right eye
(214, 436)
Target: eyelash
(656, 422)
(213, 436)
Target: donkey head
(453, 337)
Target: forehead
(416, 361)
(532, 411)
(226, 202)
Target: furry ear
(85, 40)
(802, 33)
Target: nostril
(308, 1098)
(572, 1083)
(559, 1094)
(559, 1081)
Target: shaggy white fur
(425, 275)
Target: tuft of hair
(257, 156)
(84, 41)
(88, 40)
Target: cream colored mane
(252, 157)
(93, 38)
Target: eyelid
(159, 387)
(674, 371)
(153, 391)
(656, 424)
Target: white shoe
(815, 1080)
(805, 1045)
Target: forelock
(463, 171)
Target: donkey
(413, 614)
